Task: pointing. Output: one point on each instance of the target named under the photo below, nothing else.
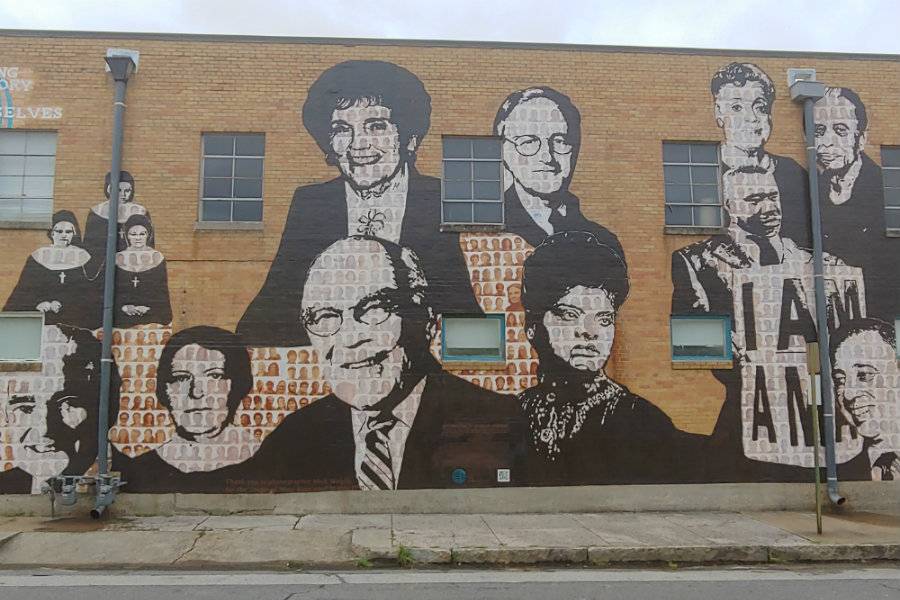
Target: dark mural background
(332, 378)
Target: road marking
(207, 579)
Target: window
(691, 174)
(701, 338)
(897, 337)
(473, 338)
(20, 336)
(27, 167)
(472, 190)
(232, 177)
(890, 161)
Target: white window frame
(885, 170)
(725, 320)
(28, 315)
(718, 164)
(41, 218)
(233, 156)
(473, 200)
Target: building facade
(349, 264)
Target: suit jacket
(318, 218)
(518, 220)
(855, 232)
(458, 425)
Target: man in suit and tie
(867, 387)
(394, 419)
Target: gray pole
(821, 317)
(106, 492)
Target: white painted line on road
(439, 577)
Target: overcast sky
(806, 25)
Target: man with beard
(394, 418)
(369, 119)
(852, 199)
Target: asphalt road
(818, 583)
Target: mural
(333, 377)
(16, 86)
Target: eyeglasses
(372, 311)
(529, 145)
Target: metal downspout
(821, 317)
(105, 492)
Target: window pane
(20, 337)
(41, 142)
(216, 188)
(487, 190)
(486, 148)
(488, 212)
(892, 178)
(678, 153)
(698, 337)
(892, 197)
(248, 211)
(217, 167)
(678, 194)
(457, 148)
(11, 186)
(12, 142)
(707, 216)
(218, 144)
(704, 153)
(890, 157)
(472, 337)
(487, 170)
(248, 167)
(248, 188)
(40, 165)
(892, 217)
(706, 194)
(458, 212)
(705, 174)
(458, 190)
(678, 215)
(216, 210)
(12, 165)
(250, 145)
(37, 208)
(10, 209)
(38, 187)
(677, 174)
(457, 169)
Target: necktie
(557, 220)
(376, 471)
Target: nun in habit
(142, 285)
(54, 279)
(95, 227)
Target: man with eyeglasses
(851, 196)
(393, 418)
(541, 132)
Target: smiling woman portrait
(584, 427)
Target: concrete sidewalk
(323, 541)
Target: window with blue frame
(473, 338)
(706, 337)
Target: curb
(617, 555)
